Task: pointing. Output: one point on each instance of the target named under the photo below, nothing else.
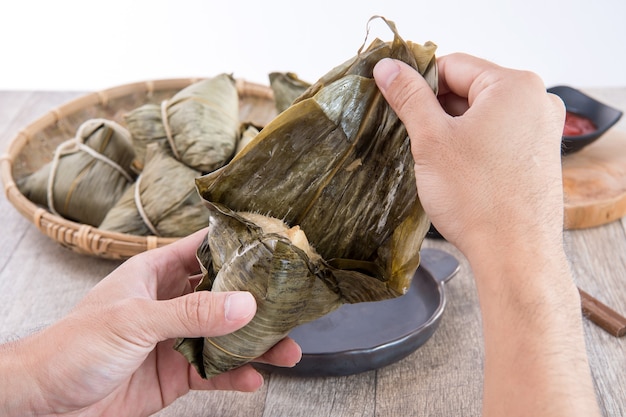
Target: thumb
(408, 94)
(199, 314)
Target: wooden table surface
(40, 282)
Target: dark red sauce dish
(587, 118)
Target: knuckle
(197, 312)
(531, 78)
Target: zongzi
(248, 251)
(87, 174)
(248, 133)
(337, 165)
(287, 87)
(200, 123)
(146, 127)
(162, 202)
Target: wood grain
(598, 261)
(594, 182)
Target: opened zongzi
(337, 165)
(247, 251)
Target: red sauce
(576, 125)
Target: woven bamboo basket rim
(82, 238)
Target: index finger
(175, 263)
(465, 75)
(157, 273)
(163, 272)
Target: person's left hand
(113, 353)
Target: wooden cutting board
(594, 182)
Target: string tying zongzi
(162, 202)
(168, 130)
(200, 123)
(141, 210)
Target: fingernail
(385, 71)
(239, 305)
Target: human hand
(488, 172)
(113, 355)
(487, 154)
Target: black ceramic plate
(360, 337)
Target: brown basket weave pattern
(35, 144)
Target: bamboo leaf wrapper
(337, 166)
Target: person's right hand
(488, 173)
(487, 150)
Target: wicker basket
(35, 144)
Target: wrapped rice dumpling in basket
(142, 210)
(287, 88)
(34, 146)
(248, 132)
(336, 169)
(99, 158)
(201, 123)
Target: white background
(92, 45)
